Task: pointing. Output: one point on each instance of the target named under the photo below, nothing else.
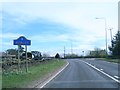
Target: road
(108, 67)
(78, 74)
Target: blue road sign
(22, 41)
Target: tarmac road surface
(80, 73)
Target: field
(16, 80)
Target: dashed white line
(116, 77)
(102, 72)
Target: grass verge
(110, 60)
(35, 72)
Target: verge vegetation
(14, 80)
(110, 60)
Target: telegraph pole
(71, 48)
(64, 51)
(83, 53)
(111, 34)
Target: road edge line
(47, 81)
(102, 72)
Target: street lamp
(105, 31)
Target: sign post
(18, 58)
(26, 58)
(22, 41)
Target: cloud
(6, 40)
(76, 15)
(50, 38)
(66, 22)
(6, 44)
(10, 35)
(61, 1)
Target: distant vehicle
(23, 55)
(35, 55)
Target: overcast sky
(51, 25)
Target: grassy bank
(0, 80)
(35, 72)
(111, 60)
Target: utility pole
(111, 34)
(83, 53)
(64, 51)
(71, 48)
(111, 37)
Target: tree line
(96, 53)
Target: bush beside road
(13, 80)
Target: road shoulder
(40, 83)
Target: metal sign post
(22, 41)
(26, 58)
(18, 58)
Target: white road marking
(102, 72)
(116, 77)
(46, 82)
